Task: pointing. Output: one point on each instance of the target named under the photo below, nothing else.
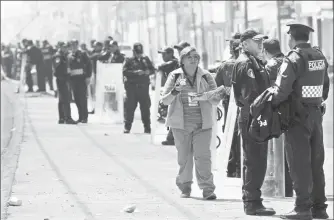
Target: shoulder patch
(250, 73)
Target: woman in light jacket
(191, 122)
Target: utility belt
(76, 72)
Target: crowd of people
(190, 93)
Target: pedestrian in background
(191, 122)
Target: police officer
(62, 79)
(304, 73)
(136, 71)
(48, 51)
(274, 57)
(249, 80)
(80, 70)
(170, 64)
(115, 54)
(223, 77)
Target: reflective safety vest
(309, 85)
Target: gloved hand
(323, 108)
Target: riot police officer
(47, 52)
(115, 56)
(304, 74)
(170, 64)
(249, 80)
(223, 77)
(136, 72)
(60, 72)
(80, 70)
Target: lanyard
(194, 79)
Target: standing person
(62, 79)
(36, 58)
(224, 77)
(7, 60)
(274, 57)
(170, 64)
(48, 52)
(191, 122)
(115, 54)
(80, 70)
(249, 80)
(136, 72)
(304, 73)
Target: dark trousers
(235, 154)
(255, 163)
(7, 68)
(48, 72)
(64, 108)
(79, 88)
(305, 155)
(29, 78)
(40, 77)
(137, 93)
(288, 180)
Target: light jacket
(175, 116)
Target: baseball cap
(166, 50)
(181, 45)
(271, 45)
(252, 34)
(299, 27)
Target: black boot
(61, 121)
(168, 142)
(257, 208)
(302, 215)
(147, 129)
(319, 213)
(70, 121)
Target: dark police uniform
(249, 80)
(62, 79)
(224, 77)
(35, 57)
(137, 89)
(80, 69)
(47, 52)
(304, 73)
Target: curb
(11, 152)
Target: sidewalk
(93, 171)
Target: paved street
(93, 171)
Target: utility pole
(204, 53)
(278, 20)
(246, 14)
(164, 20)
(147, 15)
(193, 16)
(176, 10)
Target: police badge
(250, 73)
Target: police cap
(113, 43)
(235, 36)
(61, 44)
(166, 50)
(110, 38)
(138, 48)
(252, 34)
(299, 27)
(181, 45)
(97, 43)
(74, 42)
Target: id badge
(190, 99)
